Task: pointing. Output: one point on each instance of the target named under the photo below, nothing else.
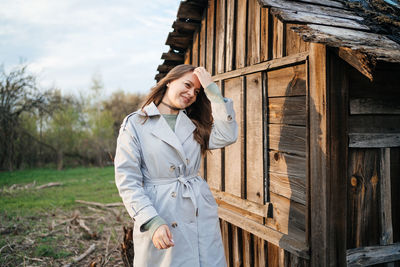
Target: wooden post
(328, 157)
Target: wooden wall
(260, 181)
(374, 159)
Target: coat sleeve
(225, 129)
(129, 178)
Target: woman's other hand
(204, 76)
(162, 237)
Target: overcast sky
(67, 42)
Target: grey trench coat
(156, 173)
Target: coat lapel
(161, 130)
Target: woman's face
(183, 91)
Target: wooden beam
(375, 106)
(362, 62)
(185, 26)
(190, 10)
(250, 206)
(305, 7)
(377, 140)
(268, 65)
(178, 41)
(270, 235)
(386, 198)
(307, 17)
(318, 144)
(179, 57)
(366, 256)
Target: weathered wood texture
(234, 165)
(367, 256)
(363, 198)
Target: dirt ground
(58, 238)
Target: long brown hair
(199, 112)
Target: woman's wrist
(153, 224)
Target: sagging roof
(366, 29)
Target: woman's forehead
(192, 78)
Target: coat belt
(188, 191)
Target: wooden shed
(314, 178)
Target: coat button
(174, 224)
(172, 168)
(229, 118)
(173, 194)
(187, 161)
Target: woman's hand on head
(204, 76)
(162, 237)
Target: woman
(157, 160)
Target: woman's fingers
(203, 75)
(162, 237)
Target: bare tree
(18, 94)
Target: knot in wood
(353, 181)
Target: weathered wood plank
(358, 60)
(337, 159)
(290, 165)
(220, 36)
(373, 124)
(247, 205)
(226, 240)
(188, 56)
(323, 19)
(185, 26)
(376, 45)
(254, 139)
(395, 187)
(203, 41)
(287, 138)
(253, 32)
(386, 198)
(265, 47)
(366, 140)
(210, 46)
(234, 165)
(287, 110)
(366, 256)
(195, 49)
(237, 255)
(294, 44)
(178, 41)
(289, 81)
(289, 217)
(230, 36)
(241, 34)
(318, 176)
(261, 252)
(291, 187)
(190, 10)
(317, 9)
(172, 56)
(247, 259)
(278, 38)
(363, 198)
(273, 254)
(375, 106)
(214, 177)
(269, 65)
(286, 242)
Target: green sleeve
(153, 224)
(213, 93)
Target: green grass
(90, 184)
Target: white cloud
(67, 41)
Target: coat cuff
(223, 111)
(144, 215)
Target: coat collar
(184, 127)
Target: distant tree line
(44, 128)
